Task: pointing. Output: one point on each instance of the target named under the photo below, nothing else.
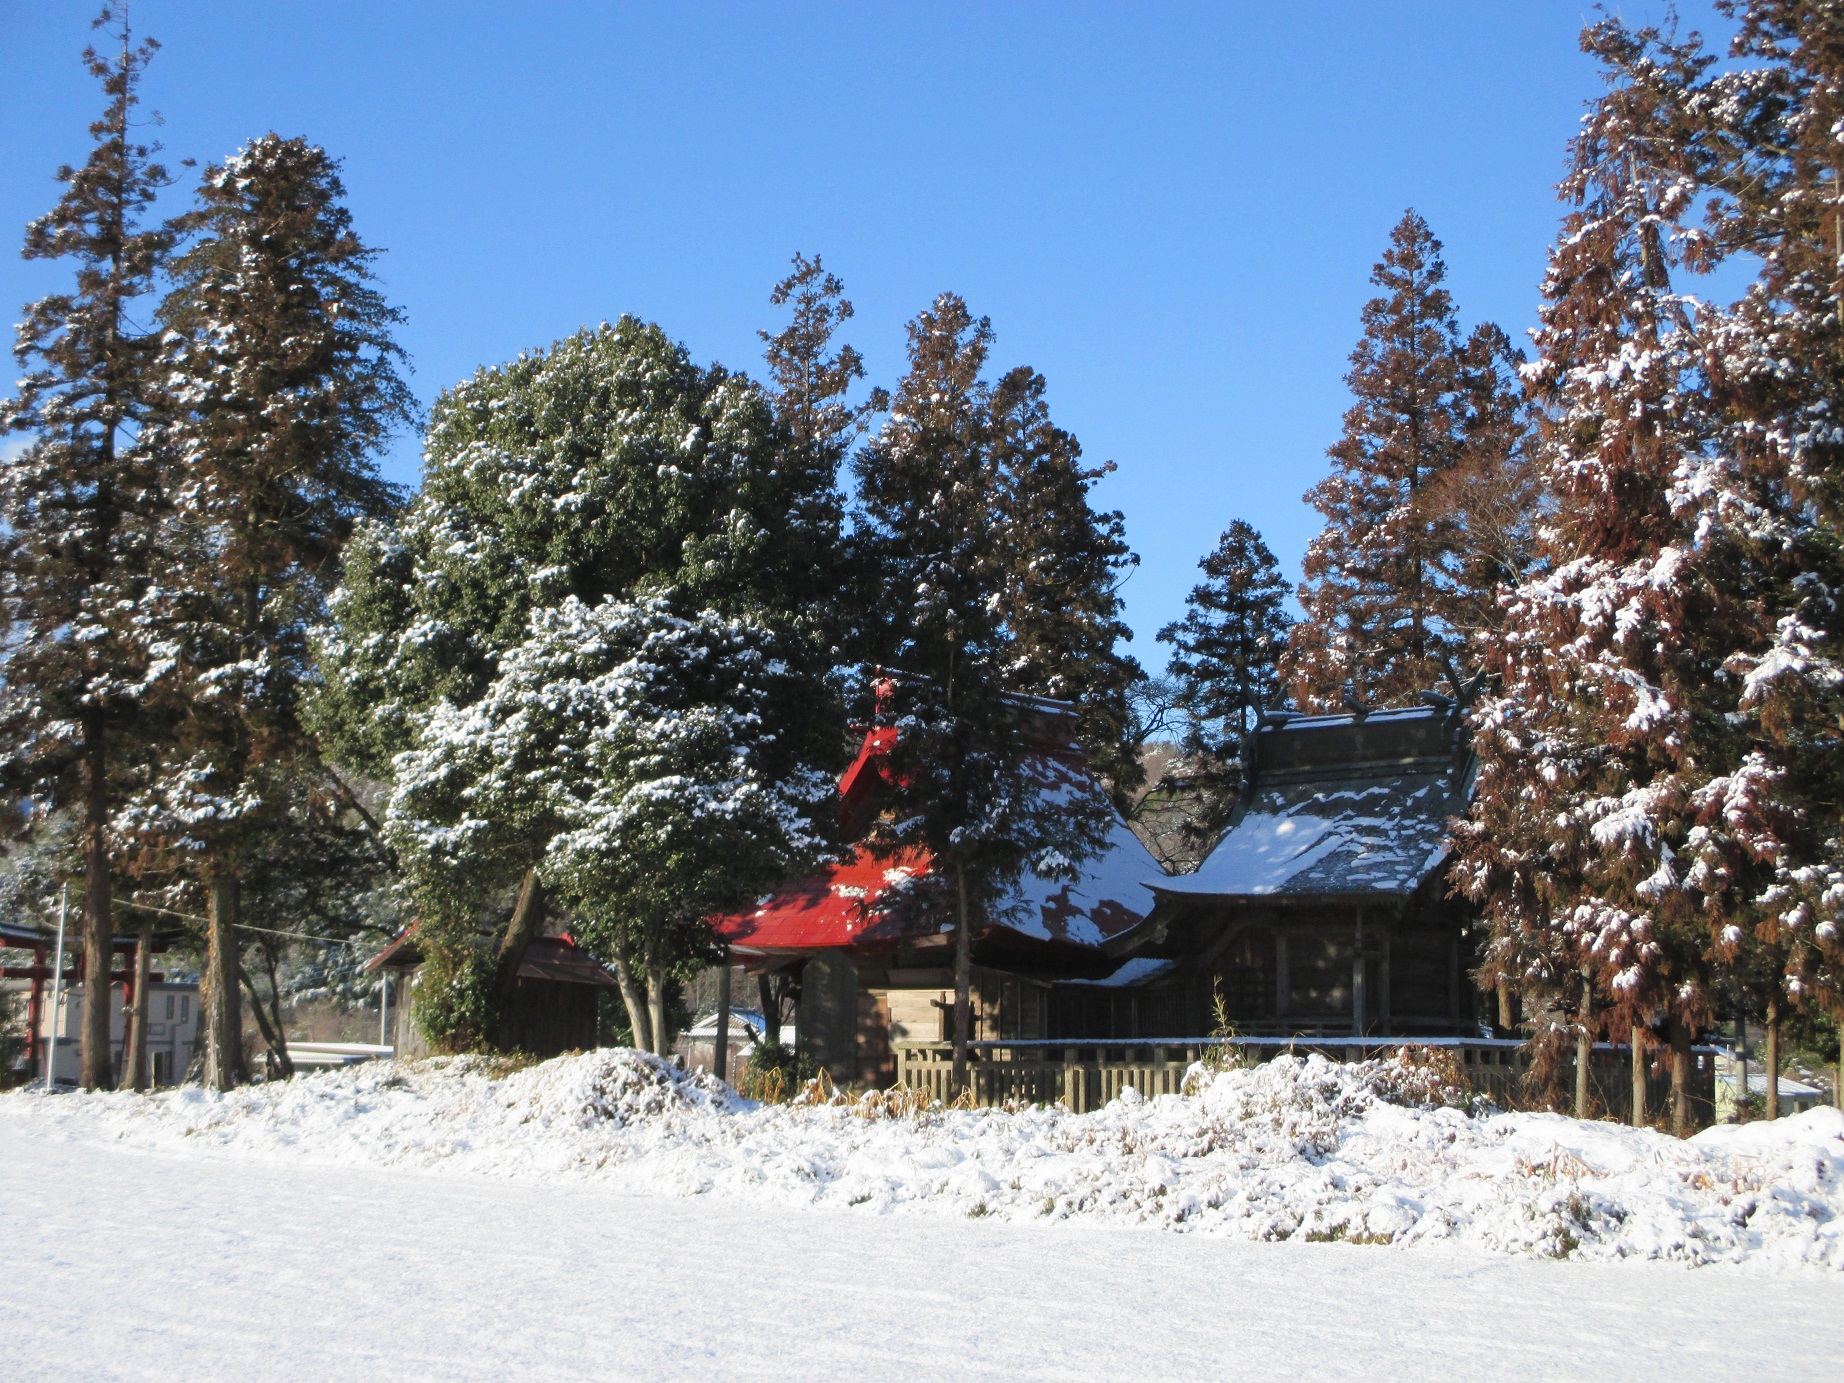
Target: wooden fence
(1086, 1076)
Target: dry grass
(1425, 1078)
(819, 1090)
(898, 1102)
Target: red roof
(852, 903)
(859, 903)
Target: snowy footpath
(603, 1217)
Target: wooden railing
(1082, 1076)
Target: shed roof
(1348, 806)
(546, 958)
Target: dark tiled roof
(1341, 806)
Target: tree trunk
(1507, 1018)
(527, 919)
(97, 1071)
(134, 1045)
(656, 1001)
(770, 996)
(1639, 1075)
(1584, 1048)
(963, 985)
(720, 1049)
(278, 1045)
(639, 1021)
(1773, 1058)
(1680, 1076)
(224, 1066)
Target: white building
(172, 1028)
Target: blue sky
(1170, 210)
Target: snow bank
(1292, 1149)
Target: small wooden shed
(555, 1008)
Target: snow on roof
(1790, 1089)
(1341, 805)
(1107, 897)
(1130, 972)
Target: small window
(169, 1006)
(185, 1004)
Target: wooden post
(1639, 1075)
(35, 1012)
(720, 1053)
(963, 983)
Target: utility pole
(57, 977)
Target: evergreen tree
(643, 749)
(1759, 136)
(1388, 590)
(609, 466)
(933, 492)
(81, 509)
(1226, 655)
(1062, 568)
(1492, 497)
(808, 387)
(1608, 774)
(280, 381)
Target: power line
(241, 926)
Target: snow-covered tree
(81, 509)
(642, 749)
(279, 382)
(1391, 583)
(1605, 761)
(1761, 136)
(1226, 655)
(934, 491)
(609, 466)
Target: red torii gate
(19, 937)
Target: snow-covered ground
(601, 1216)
